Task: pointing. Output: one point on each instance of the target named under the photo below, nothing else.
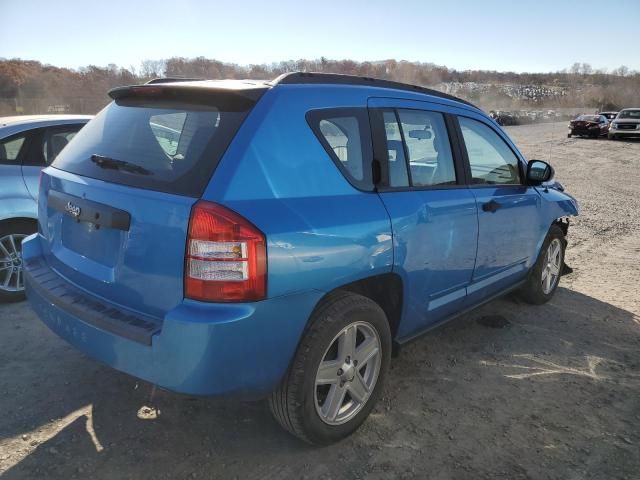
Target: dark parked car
(589, 126)
(503, 118)
(609, 115)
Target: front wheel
(544, 276)
(337, 374)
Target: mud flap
(566, 269)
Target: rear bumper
(197, 348)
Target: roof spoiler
(192, 93)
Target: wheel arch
(556, 208)
(17, 208)
(563, 223)
(6, 221)
(385, 289)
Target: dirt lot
(555, 394)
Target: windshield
(154, 144)
(635, 114)
(589, 118)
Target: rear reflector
(226, 257)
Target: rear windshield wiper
(113, 164)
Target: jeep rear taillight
(226, 259)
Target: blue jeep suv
(278, 238)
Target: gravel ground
(553, 394)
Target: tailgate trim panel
(83, 210)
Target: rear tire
(544, 276)
(11, 274)
(320, 406)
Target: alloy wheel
(348, 373)
(11, 275)
(552, 265)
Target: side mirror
(420, 134)
(539, 172)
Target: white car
(28, 143)
(626, 124)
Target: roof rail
(340, 79)
(172, 79)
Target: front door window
(492, 161)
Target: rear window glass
(156, 144)
(345, 135)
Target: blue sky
(517, 35)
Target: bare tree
(84, 89)
(152, 68)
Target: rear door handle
(491, 206)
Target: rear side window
(56, 139)
(492, 161)
(159, 144)
(10, 148)
(344, 133)
(418, 140)
(398, 176)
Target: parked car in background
(27, 145)
(503, 118)
(626, 124)
(295, 231)
(589, 126)
(609, 115)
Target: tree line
(28, 86)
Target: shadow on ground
(552, 392)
